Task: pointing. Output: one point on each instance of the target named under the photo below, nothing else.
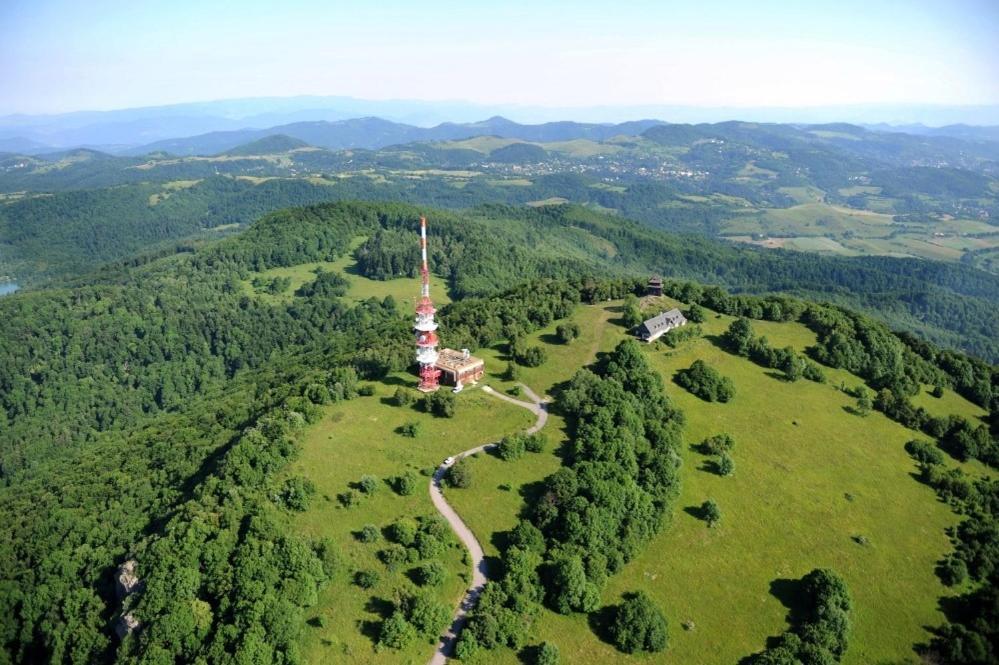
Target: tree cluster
(566, 332)
(596, 512)
(414, 616)
(513, 446)
(527, 355)
(706, 382)
(821, 632)
(459, 474)
(678, 336)
(440, 403)
(639, 625)
(970, 636)
(739, 339)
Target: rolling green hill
(67, 233)
(275, 143)
(808, 481)
(213, 414)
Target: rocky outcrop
(126, 581)
(125, 625)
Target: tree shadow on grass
(413, 575)
(354, 270)
(392, 380)
(500, 540)
(955, 609)
(531, 493)
(493, 452)
(791, 594)
(711, 466)
(551, 338)
(695, 511)
(383, 607)
(619, 319)
(492, 565)
(956, 612)
(716, 340)
(600, 623)
(529, 654)
(370, 629)
(502, 350)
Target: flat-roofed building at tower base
(459, 367)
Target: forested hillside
(70, 232)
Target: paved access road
(479, 573)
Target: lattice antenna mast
(425, 326)
(424, 269)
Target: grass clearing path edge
(479, 569)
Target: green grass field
(581, 148)
(950, 403)
(810, 479)
(816, 226)
(821, 218)
(406, 290)
(357, 438)
(819, 244)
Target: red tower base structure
(429, 378)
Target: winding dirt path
(480, 575)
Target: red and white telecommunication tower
(425, 326)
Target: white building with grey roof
(661, 324)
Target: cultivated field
(815, 226)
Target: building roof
(665, 320)
(656, 279)
(457, 361)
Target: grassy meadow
(356, 438)
(816, 226)
(406, 290)
(814, 486)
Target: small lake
(7, 287)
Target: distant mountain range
(959, 131)
(375, 133)
(23, 146)
(122, 130)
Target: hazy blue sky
(100, 54)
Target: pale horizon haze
(60, 56)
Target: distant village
(608, 168)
